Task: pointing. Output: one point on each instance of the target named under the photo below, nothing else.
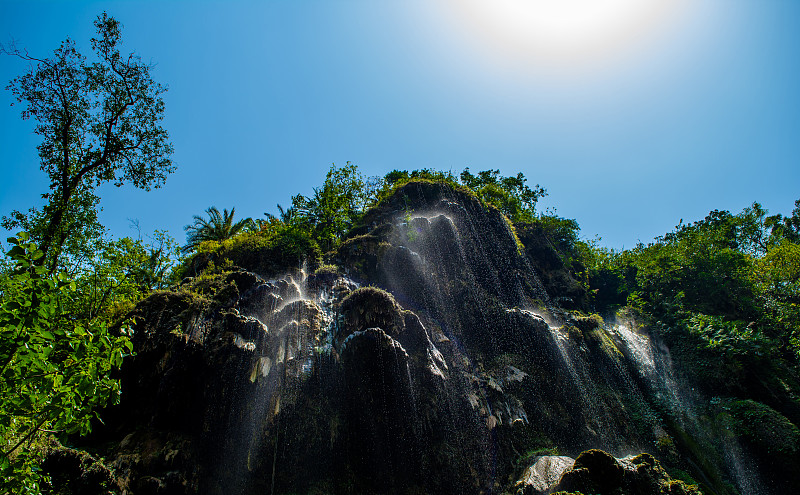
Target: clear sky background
(632, 117)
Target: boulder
(598, 472)
(75, 471)
(543, 474)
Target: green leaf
(16, 252)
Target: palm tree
(284, 215)
(218, 227)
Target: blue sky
(692, 108)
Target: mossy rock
(360, 255)
(765, 433)
(599, 473)
(370, 307)
(74, 471)
(268, 254)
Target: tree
(99, 122)
(785, 227)
(120, 273)
(218, 227)
(54, 366)
(83, 233)
(332, 210)
(509, 194)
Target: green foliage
(558, 257)
(64, 281)
(338, 205)
(397, 178)
(218, 227)
(612, 277)
(278, 246)
(327, 270)
(54, 364)
(724, 291)
(510, 195)
(333, 209)
(81, 231)
(120, 273)
(787, 228)
(562, 235)
(776, 279)
(113, 274)
(761, 426)
(730, 337)
(99, 122)
(702, 264)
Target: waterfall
(429, 359)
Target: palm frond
(218, 227)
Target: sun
(563, 31)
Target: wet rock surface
(430, 360)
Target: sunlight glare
(564, 31)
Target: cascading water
(293, 325)
(652, 361)
(416, 366)
(654, 364)
(596, 419)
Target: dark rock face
(431, 360)
(441, 252)
(223, 395)
(380, 411)
(549, 266)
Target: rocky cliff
(426, 357)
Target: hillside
(437, 349)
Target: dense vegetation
(67, 287)
(315, 225)
(730, 281)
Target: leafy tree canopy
(732, 280)
(64, 282)
(54, 366)
(100, 122)
(218, 227)
(333, 208)
(511, 195)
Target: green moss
(513, 229)
(760, 425)
(683, 476)
(266, 252)
(703, 457)
(425, 177)
(604, 342)
(205, 284)
(531, 454)
(587, 322)
(191, 305)
(368, 307)
(327, 270)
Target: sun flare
(564, 31)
